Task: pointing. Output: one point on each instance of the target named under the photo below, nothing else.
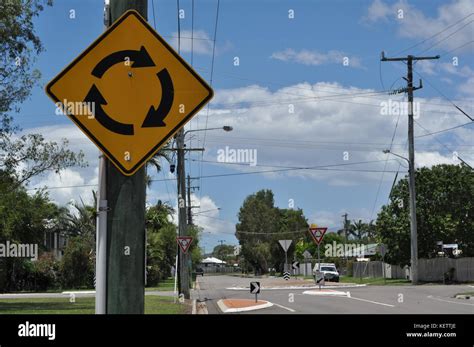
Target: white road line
(451, 302)
(284, 307)
(372, 302)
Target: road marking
(284, 307)
(372, 302)
(451, 302)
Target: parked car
(329, 270)
(199, 271)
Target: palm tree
(157, 216)
(357, 229)
(155, 161)
(371, 230)
(83, 221)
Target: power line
(455, 49)
(210, 83)
(445, 38)
(179, 28)
(322, 168)
(444, 130)
(385, 166)
(153, 9)
(444, 96)
(436, 34)
(443, 144)
(296, 167)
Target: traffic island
(242, 305)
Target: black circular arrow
(154, 118)
(102, 117)
(140, 58)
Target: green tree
(161, 242)
(358, 229)
(257, 224)
(23, 219)
(445, 212)
(30, 154)
(261, 225)
(78, 263)
(223, 252)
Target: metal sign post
(255, 289)
(317, 234)
(319, 268)
(285, 244)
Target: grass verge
(377, 281)
(153, 305)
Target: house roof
(212, 260)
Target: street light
(226, 128)
(387, 151)
(413, 228)
(214, 209)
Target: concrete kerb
(225, 309)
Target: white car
(329, 270)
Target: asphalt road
(406, 299)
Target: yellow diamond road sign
(129, 92)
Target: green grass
(165, 285)
(153, 305)
(377, 281)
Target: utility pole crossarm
(408, 57)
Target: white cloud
(429, 159)
(207, 216)
(315, 58)
(416, 25)
(199, 42)
(326, 125)
(73, 183)
(321, 129)
(378, 10)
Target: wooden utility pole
(183, 261)
(411, 158)
(125, 219)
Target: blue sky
(281, 61)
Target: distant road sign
(184, 242)
(317, 234)
(319, 277)
(254, 287)
(285, 244)
(307, 255)
(286, 275)
(382, 250)
(295, 265)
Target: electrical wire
(210, 83)
(436, 34)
